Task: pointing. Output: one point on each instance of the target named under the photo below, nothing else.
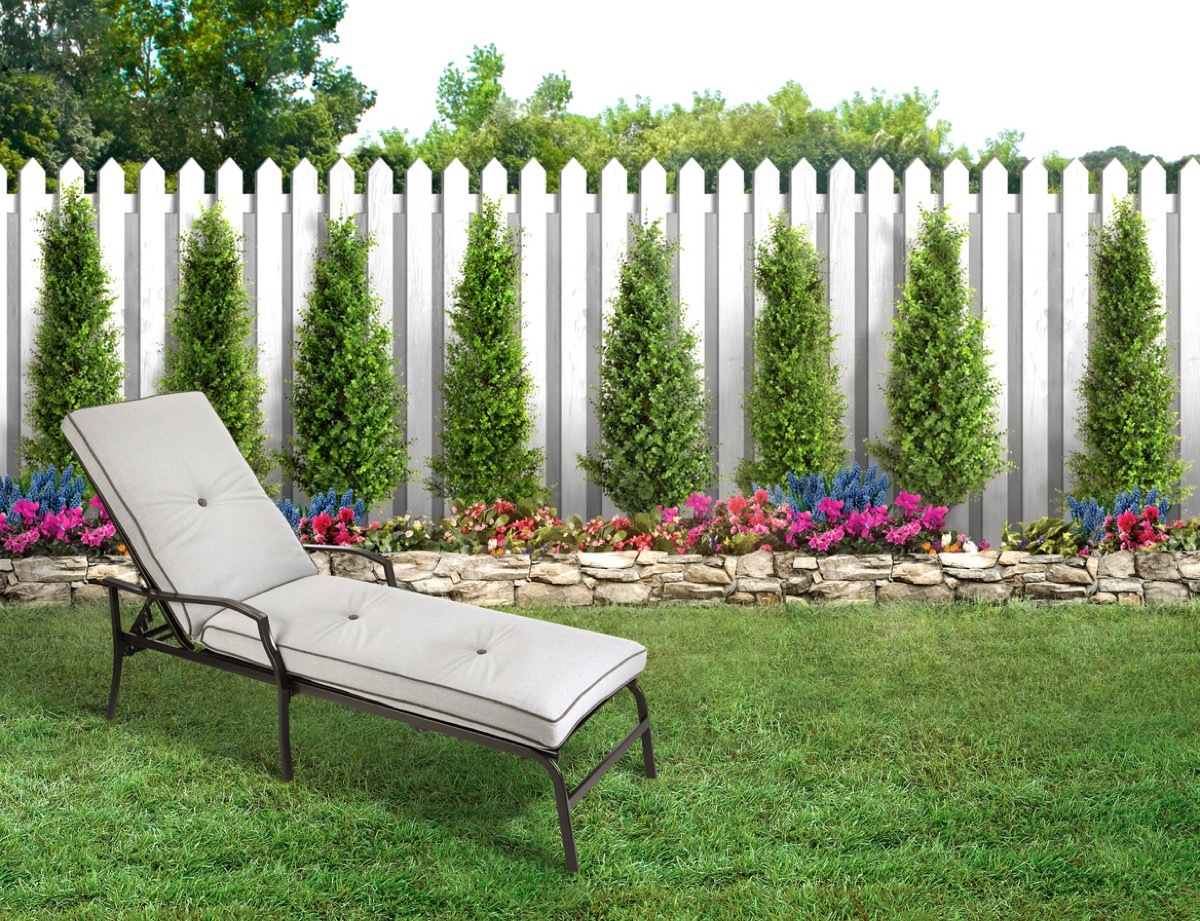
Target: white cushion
(187, 502)
(524, 679)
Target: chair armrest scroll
(389, 571)
(264, 624)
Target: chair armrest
(389, 571)
(264, 624)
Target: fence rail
(1027, 259)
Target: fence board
(152, 282)
(1076, 205)
(803, 198)
(341, 190)
(768, 203)
(917, 195)
(993, 209)
(573, 251)
(881, 288)
(268, 295)
(957, 202)
(1035, 339)
(31, 201)
(535, 205)
(841, 270)
(691, 249)
(1189, 327)
(493, 181)
(191, 198)
(456, 213)
(229, 193)
(1114, 186)
(652, 194)
(421, 317)
(7, 438)
(1152, 202)
(110, 228)
(70, 174)
(614, 235)
(731, 325)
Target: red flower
(346, 515)
(736, 505)
(321, 524)
(1151, 513)
(1126, 521)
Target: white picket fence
(1027, 259)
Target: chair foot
(563, 802)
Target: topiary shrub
(1126, 424)
(75, 361)
(486, 426)
(942, 438)
(345, 398)
(795, 406)
(213, 331)
(650, 404)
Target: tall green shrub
(795, 405)
(1126, 424)
(212, 349)
(345, 397)
(76, 360)
(486, 425)
(942, 440)
(650, 404)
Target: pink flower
(321, 524)
(904, 533)
(832, 508)
(346, 515)
(699, 504)
(934, 518)
(1126, 521)
(26, 509)
(822, 542)
(736, 505)
(909, 502)
(19, 543)
(1151, 513)
(97, 536)
(761, 496)
(669, 515)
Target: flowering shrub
(27, 530)
(403, 533)
(501, 527)
(1089, 517)
(738, 525)
(1132, 531)
(1045, 536)
(644, 531)
(853, 488)
(329, 519)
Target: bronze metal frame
(170, 638)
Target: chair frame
(172, 639)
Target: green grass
(900, 762)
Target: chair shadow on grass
(464, 790)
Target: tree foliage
(486, 424)
(213, 331)
(942, 439)
(345, 398)
(794, 407)
(1126, 424)
(650, 403)
(76, 362)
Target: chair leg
(648, 763)
(562, 800)
(285, 733)
(115, 687)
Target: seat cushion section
(512, 676)
(185, 499)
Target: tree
(942, 439)
(345, 398)
(1126, 424)
(650, 404)
(213, 333)
(486, 425)
(76, 362)
(795, 405)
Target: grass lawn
(901, 762)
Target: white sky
(1073, 76)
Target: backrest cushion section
(185, 499)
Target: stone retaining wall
(650, 577)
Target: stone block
(1103, 598)
(757, 565)
(1069, 575)
(894, 592)
(843, 591)
(731, 563)
(1033, 577)
(650, 557)
(707, 575)
(662, 569)
(1022, 569)
(106, 570)
(434, 585)
(89, 593)
(451, 565)
(352, 566)
(783, 564)
(1013, 557)
(509, 567)
(35, 593)
(618, 559)
(613, 575)
(740, 598)
(1130, 598)
(1189, 565)
(1093, 566)
(691, 591)
(51, 568)
(758, 586)
(1055, 591)
(575, 595)
(975, 575)
(1159, 566)
(486, 594)
(853, 568)
(6, 565)
(413, 565)
(1117, 565)
(984, 559)
(918, 573)
(807, 561)
(985, 592)
(1119, 586)
(555, 573)
(799, 582)
(321, 560)
(1156, 592)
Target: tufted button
(353, 617)
(202, 502)
(480, 652)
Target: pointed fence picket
(1027, 259)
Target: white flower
(947, 539)
(970, 547)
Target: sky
(1074, 77)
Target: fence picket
(152, 283)
(1189, 328)
(418, 371)
(917, 195)
(229, 193)
(574, 358)
(614, 236)
(341, 190)
(191, 199)
(268, 295)
(841, 290)
(803, 198)
(1076, 205)
(110, 227)
(1114, 186)
(456, 213)
(1152, 203)
(306, 223)
(993, 208)
(7, 438)
(881, 288)
(32, 200)
(535, 205)
(652, 194)
(1035, 338)
(731, 325)
(691, 249)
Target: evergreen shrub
(650, 404)
(345, 397)
(794, 407)
(76, 360)
(1126, 424)
(486, 424)
(212, 349)
(942, 439)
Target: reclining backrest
(186, 501)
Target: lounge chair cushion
(187, 502)
(523, 679)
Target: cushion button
(203, 502)
(480, 652)
(353, 617)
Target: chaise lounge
(237, 591)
